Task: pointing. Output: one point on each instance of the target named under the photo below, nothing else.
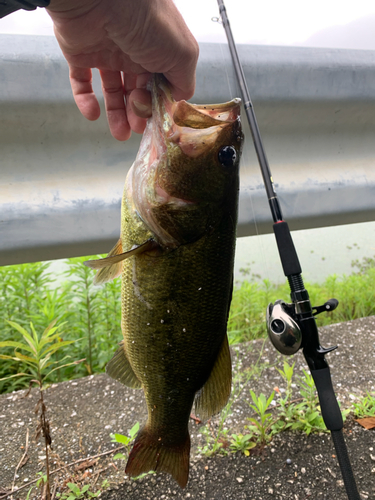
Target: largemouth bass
(176, 253)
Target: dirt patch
(84, 412)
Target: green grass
(355, 293)
(84, 311)
(28, 293)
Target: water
(322, 252)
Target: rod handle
(287, 251)
(329, 406)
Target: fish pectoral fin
(109, 271)
(111, 266)
(119, 369)
(216, 391)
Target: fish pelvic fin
(120, 369)
(151, 453)
(215, 393)
(111, 266)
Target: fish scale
(175, 256)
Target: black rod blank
(248, 106)
(312, 350)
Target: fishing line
(247, 161)
(292, 326)
(231, 93)
(258, 240)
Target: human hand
(126, 40)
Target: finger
(183, 75)
(140, 98)
(182, 84)
(139, 109)
(138, 101)
(85, 99)
(113, 91)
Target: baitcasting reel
(283, 326)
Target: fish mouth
(189, 124)
(179, 145)
(194, 128)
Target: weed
(83, 291)
(214, 442)
(365, 407)
(76, 493)
(243, 443)
(125, 440)
(287, 375)
(29, 293)
(105, 484)
(308, 415)
(38, 365)
(217, 441)
(262, 426)
(302, 414)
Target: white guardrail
(61, 177)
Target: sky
(321, 23)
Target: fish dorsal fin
(110, 267)
(119, 369)
(216, 391)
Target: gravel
(83, 413)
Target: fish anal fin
(119, 369)
(216, 391)
(151, 453)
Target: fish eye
(227, 156)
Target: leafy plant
(243, 443)
(302, 414)
(261, 427)
(75, 492)
(105, 484)
(217, 440)
(365, 407)
(308, 415)
(125, 440)
(42, 479)
(214, 442)
(287, 375)
(37, 362)
(29, 292)
(38, 365)
(96, 312)
(83, 291)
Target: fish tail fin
(150, 453)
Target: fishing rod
(292, 326)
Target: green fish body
(175, 255)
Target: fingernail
(142, 108)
